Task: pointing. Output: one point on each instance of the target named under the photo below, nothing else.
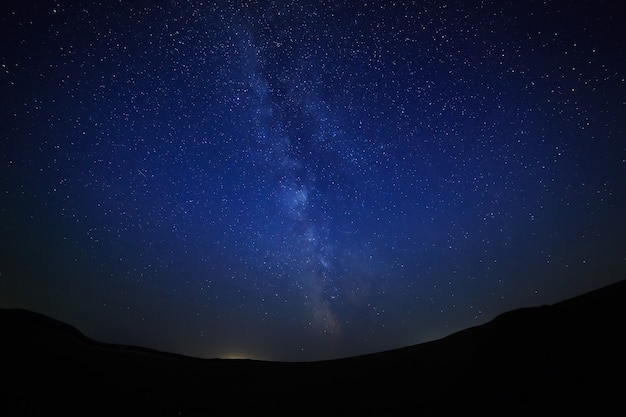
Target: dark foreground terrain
(563, 359)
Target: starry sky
(298, 181)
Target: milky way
(307, 180)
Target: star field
(287, 181)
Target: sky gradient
(299, 181)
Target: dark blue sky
(307, 180)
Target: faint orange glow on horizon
(238, 355)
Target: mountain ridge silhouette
(562, 357)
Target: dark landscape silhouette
(550, 360)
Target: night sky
(297, 181)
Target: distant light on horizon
(239, 356)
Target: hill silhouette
(562, 358)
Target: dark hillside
(563, 358)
